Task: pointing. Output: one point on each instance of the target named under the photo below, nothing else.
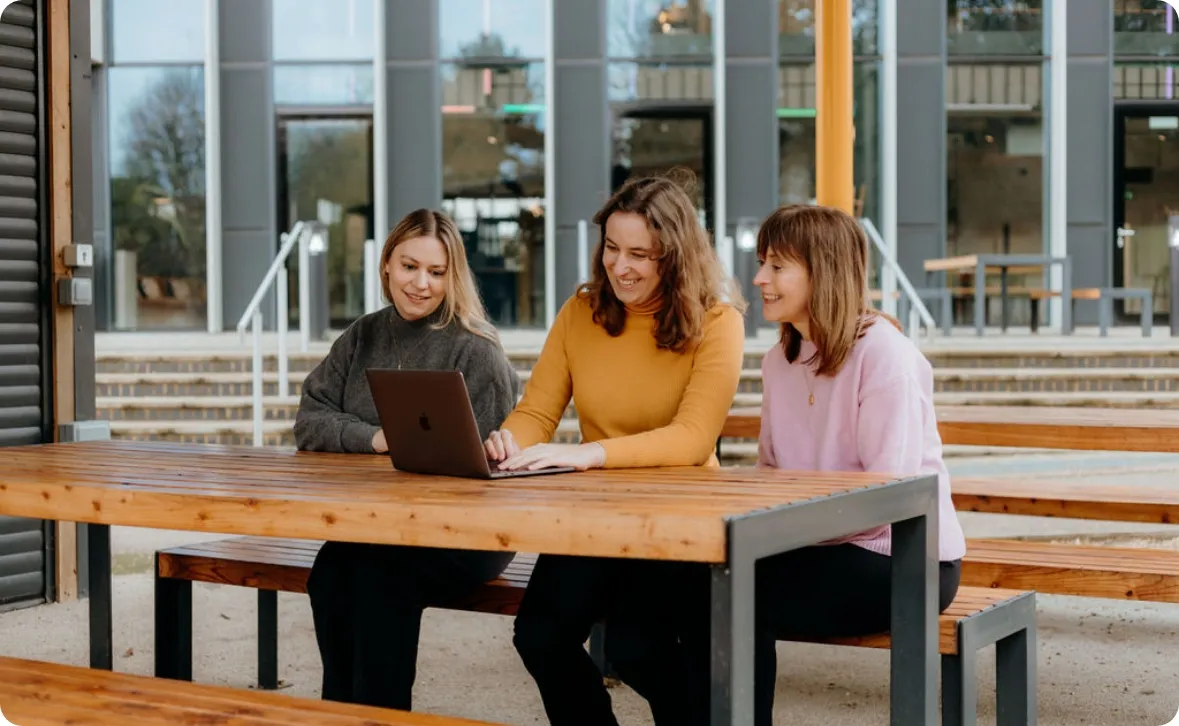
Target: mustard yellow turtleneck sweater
(645, 406)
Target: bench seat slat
(1064, 569)
(48, 694)
(261, 562)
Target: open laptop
(430, 425)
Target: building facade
(458, 112)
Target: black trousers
(367, 602)
(661, 647)
(566, 596)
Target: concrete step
(1056, 380)
(187, 408)
(189, 385)
(226, 433)
(1003, 356)
(1072, 399)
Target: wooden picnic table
(978, 264)
(1045, 427)
(728, 518)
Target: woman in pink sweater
(843, 390)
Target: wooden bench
(47, 694)
(978, 617)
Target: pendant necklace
(809, 385)
(397, 346)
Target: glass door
(655, 140)
(1146, 192)
(325, 174)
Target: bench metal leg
(268, 639)
(959, 690)
(1104, 314)
(173, 628)
(1147, 313)
(98, 560)
(1015, 679)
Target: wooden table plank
(675, 513)
(1047, 427)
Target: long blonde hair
(833, 248)
(462, 301)
(692, 280)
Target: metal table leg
(980, 298)
(914, 619)
(99, 562)
(732, 643)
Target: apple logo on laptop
(424, 422)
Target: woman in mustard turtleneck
(650, 352)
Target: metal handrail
(299, 235)
(918, 313)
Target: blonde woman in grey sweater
(367, 600)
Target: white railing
(300, 234)
(918, 313)
(372, 277)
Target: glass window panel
(1145, 81)
(994, 178)
(157, 191)
(796, 28)
(141, 32)
(659, 28)
(323, 29)
(994, 27)
(334, 85)
(492, 28)
(493, 183)
(1145, 27)
(646, 82)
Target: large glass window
(341, 84)
(659, 28)
(797, 23)
(142, 32)
(994, 27)
(1149, 81)
(492, 28)
(493, 181)
(1145, 27)
(157, 191)
(319, 30)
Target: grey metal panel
(921, 29)
(411, 28)
(247, 257)
(249, 236)
(582, 124)
(24, 262)
(245, 31)
(82, 204)
(1090, 27)
(1090, 246)
(580, 30)
(415, 139)
(914, 242)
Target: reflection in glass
(647, 82)
(994, 27)
(1145, 27)
(326, 175)
(1151, 147)
(322, 30)
(658, 28)
(157, 158)
(796, 27)
(141, 32)
(493, 182)
(647, 143)
(492, 28)
(994, 167)
(323, 85)
(1145, 81)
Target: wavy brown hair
(462, 301)
(833, 248)
(692, 280)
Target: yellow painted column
(834, 132)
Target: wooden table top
(666, 513)
(1048, 427)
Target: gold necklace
(397, 346)
(809, 385)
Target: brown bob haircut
(833, 248)
(692, 280)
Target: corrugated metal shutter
(23, 324)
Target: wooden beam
(61, 234)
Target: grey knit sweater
(337, 412)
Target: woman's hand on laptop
(500, 445)
(541, 456)
(380, 445)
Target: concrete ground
(1100, 661)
